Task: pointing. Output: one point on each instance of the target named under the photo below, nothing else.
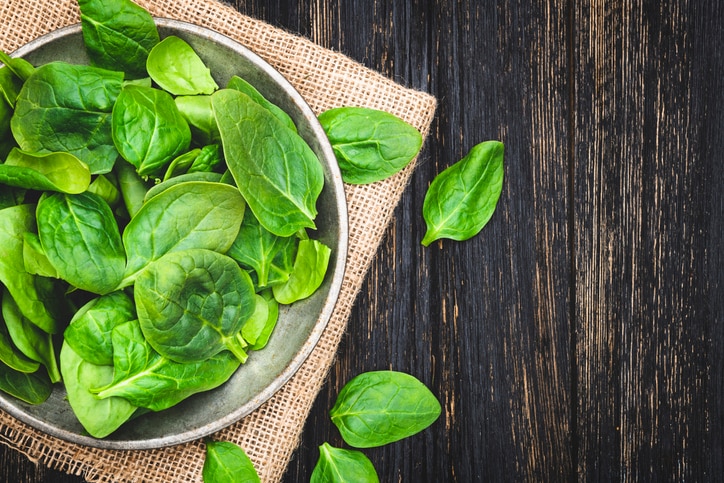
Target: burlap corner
(325, 79)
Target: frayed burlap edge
(325, 79)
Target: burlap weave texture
(325, 79)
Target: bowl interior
(300, 325)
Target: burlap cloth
(325, 79)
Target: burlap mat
(325, 79)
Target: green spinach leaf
(67, 108)
(35, 261)
(61, 172)
(11, 356)
(276, 171)
(380, 407)
(147, 379)
(198, 113)
(81, 239)
(310, 266)
(242, 85)
(32, 388)
(370, 145)
(118, 35)
(133, 187)
(148, 129)
(227, 462)
(193, 303)
(462, 199)
(337, 465)
(176, 67)
(257, 330)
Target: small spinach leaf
(337, 465)
(462, 198)
(193, 303)
(310, 266)
(259, 327)
(32, 388)
(148, 129)
(67, 108)
(12, 356)
(61, 172)
(81, 239)
(118, 35)
(198, 113)
(147, 379)
(370, 145)
(176, 67)
(380, 407)
(227, 462)
(276, 171)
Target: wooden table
(582, 332)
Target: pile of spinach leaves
(151, 222)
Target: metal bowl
(300, 325)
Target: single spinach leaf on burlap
(27, 289)
(67, 108)
(33, 388)
(258, 249)
(242, 85)
(147, 379)
(31, 340)
(462, 199)
(89, 331)
(81, 239)
(227, 462)
(194, 214)
(60, 172)
(370, 145)
(193, 303)
(100, 417)
(381, 407)
(148, 129)
(118, 35)
(310, 266)
(337, 465)
(276, 171)
(177, 68)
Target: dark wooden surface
(581, 334)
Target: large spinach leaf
(239, 84)
(462, 199)
(148, 129)
(100, 417)
(176, 67)
(61, 172)
(67, 108)
(276, 171)
(81, 239)
(194, 214)
(118, 35)
(370, 145)
(381, 407)
(193, 303)
(337, 465)
(147, 379)
(227, 462)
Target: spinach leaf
(61, 172)
(336, 465)
(24, 287)
(118, 35)
(370, 145)
(239, 84)
(149, 380)
(198, 113)
(269, 255)
(276, 171)
(176, 67)
(257, 330)
(10, 85)
(207, 160)
(100, 417)
(11, 356)
(89, 331)
(20, 67)
(30, 339)
(106, 189)
(67, 108)
(227, 462)
(462, 198)
(181, 164)
(148, 129)
(32, 388)
(133, 187)
(81, 239)
(182, 178)
(193, 303)
(310, 266)
(194, 214)
(380, 407)
(35, 261)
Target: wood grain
(579, 336)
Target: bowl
(300, 325)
